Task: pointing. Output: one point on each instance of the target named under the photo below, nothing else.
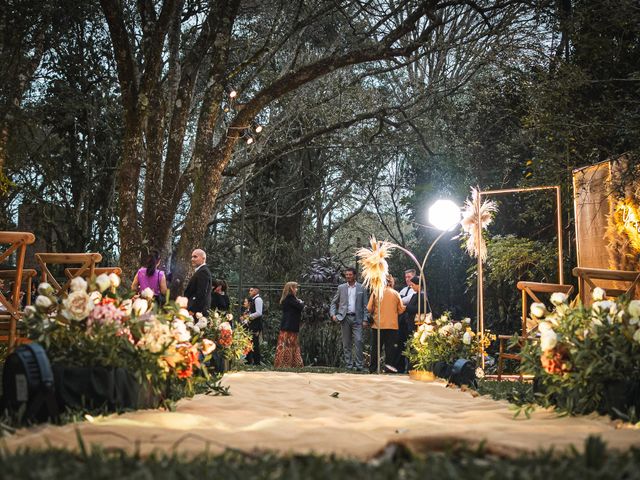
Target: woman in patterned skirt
(288, 349)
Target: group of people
(393, 315)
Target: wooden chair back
(589, 277)
(71, 273)
(87, 262)
(533, 291)
(16, 242)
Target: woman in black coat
(288, 349)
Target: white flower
(103, 282)
(182, 302)
(157, 336)
(598, 294)
(199, 315)
(605, 306)
(115, 280)
(77, 305)
(548, 340)
(423, 337)
(140, 306)
(183, 312)
(147, 293)
(466, 338)
(229, 317)
(78, 283)
(195, 329)
(457, 326)
(634, 308)
(208, 346)
(466, 320)
(559, 298)
(634, 320)
(538, 310)
(45, 289)
(126, 306)
(180, 331)
(544, 326)
(43, 302)
(636, 336)
(225, 326)
(202, 322)
(95, 297)
(29, 310)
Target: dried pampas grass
(476, 216)
(374, 265)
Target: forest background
(127, 126)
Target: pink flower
(107, 314)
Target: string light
(258, 128)
(233, 94)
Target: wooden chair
(529, 290)
(587, 278)
(71, 273)
(87, 262)
(12, 312)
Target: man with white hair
(198, 290)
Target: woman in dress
(151, 277)
(288, 349)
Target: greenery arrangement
(444, 340)
(587, 359)
(164, 347)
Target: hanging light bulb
(258, 128)
(249, 140)
(233, 94)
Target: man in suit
(349, 307)
(198, 290)
(255, 324)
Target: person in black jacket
(419, 299)
(198, 289)
(288, 349)
(219, 297)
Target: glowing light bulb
(233, 94)
(249, 141)
(258, 128)
(444, 215)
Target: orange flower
(555, 361)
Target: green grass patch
(596, 463)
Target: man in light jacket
(349, 307)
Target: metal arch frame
(480, 282)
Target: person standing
(219, 297)
(418, 302)
(349, 307)
(198, 290)
(255, 324)
(385, 318)
(404, 328)
(150, 276)
(288, 349)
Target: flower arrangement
(233, 342)
(444, 340)
(586, 359)
(93, 326)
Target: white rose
(538, 310)
(126, 306)
(559, 298)
(544, 327)
(43, 302)
(634, 308)
(636, 336)
(229, 317)
(202, 322)
(115, 280)
(45, 289)
(147, 293)
(423, 337)
(429, 328)
(598, 294)
(103, 282)
(95, 297)
(225, 326)
(466, 338)
(140, 306)
(457, 326)
(78, 283)
(180, 332)
(182, 302)
(208, 346)
(199, 315)
(548, 340)
(605, 306)
(77, 305)
(634, 320)
(29, 310)
(466, 320)
(195, 329)
(183, 312)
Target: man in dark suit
(198, 290)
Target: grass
(596, 463)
